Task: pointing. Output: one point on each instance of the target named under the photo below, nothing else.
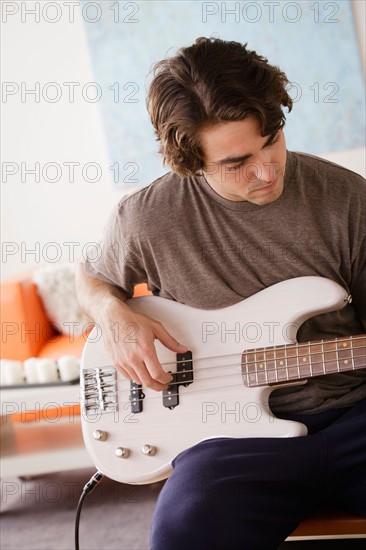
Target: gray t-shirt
(193, 246)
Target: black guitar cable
(88, 488)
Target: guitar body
(215, 403)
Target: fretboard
(278, 364)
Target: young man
(239, 213)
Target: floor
(39, 514)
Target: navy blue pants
(250, 494)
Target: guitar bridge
(99, 391)
(182, 377)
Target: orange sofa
(26, 330)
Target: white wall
(35, 214)
(355, 159)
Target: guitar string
(268, 359)
(249, 382)
(160, 396)
(255, 362)
(275, 349)
(252, 373)
(225, 376)
(299, 345)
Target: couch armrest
(24, 324)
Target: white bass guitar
(220, 388)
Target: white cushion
(56, 287)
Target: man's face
(240, 164)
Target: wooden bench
(327, 524)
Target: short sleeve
(116, 258)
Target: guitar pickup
(184, 368)
(182, 377)
(171, 395)
(136, 397)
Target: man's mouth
(266, 187)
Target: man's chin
(268, 193)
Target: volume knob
(99, 435)
(122, 452)
(148, 450)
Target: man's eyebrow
(229, 160)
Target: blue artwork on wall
(313, 42)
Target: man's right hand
(129, 339)
(127, 336)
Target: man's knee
(176, 521)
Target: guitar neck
(278, 364)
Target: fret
(261, 371)
(275, 359)
(244, 368)
(305, 360)
(272, 365)
(359, 351)
(286, 366)
(251, 365)
(266, 372)
(281, 362)
(330, 363)
(345, 355)
(271, 372)
(336, 341)
(352, 358)
(256, 367)
(286, 361)
(316, 357)
(293, 361)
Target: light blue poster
(313, 42)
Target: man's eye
(233, 167)
(275, 140)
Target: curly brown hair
(209, 82)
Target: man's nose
(262, 170)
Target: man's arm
(138, 361)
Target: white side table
(45, 446)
